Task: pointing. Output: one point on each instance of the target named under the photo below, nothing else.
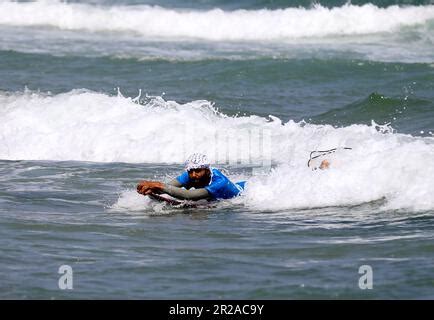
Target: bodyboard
(177, 203)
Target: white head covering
(197, 161)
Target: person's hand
(143, 187)
(325, 164)
(156, 187)
(147, 187)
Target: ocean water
(97, 95)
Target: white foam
(89, 126)
(130, 202)
(389, 168)
(216, 24)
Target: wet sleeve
(180, 193)
(175, 183)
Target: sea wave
(89, 126)
(216, 24)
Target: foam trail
(132, 201)
(136, 204)
(216, 24)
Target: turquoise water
(108, 95)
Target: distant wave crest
(216, 24)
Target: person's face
(198, 175)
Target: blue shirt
(220, 187)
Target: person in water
(199, 181)
(325, 164)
